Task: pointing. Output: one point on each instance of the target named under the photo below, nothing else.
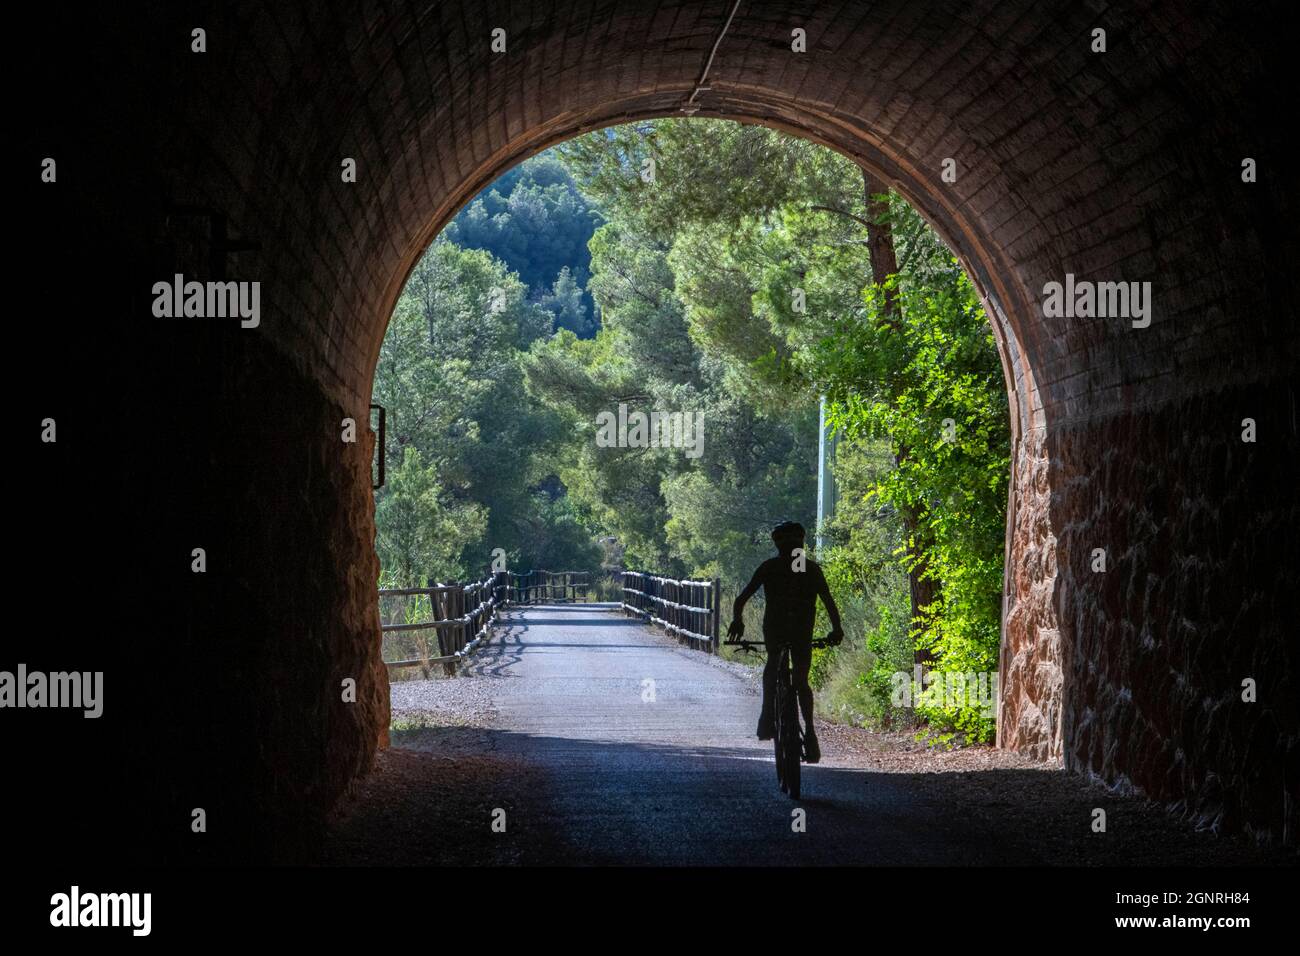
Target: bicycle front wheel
(778, 738)
(792, 744)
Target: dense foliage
(469, 461)
(735, 285)
(535, 221)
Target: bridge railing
(461, 615)
(689, 610)
(549, 587)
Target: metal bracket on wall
(380, 444)
(221, 245)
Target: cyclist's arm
(828, 600)
(743, 597)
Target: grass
(411, 724)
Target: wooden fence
(549, 587)
(689, 610)
(462, 617)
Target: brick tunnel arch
(1122, 166)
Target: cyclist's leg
(801, 663)
(769, 679)
(765, 717)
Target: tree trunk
(884, 263)
(880, 243)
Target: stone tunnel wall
(1124, 166)
(1030, 668)
(1197, 597)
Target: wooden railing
(462, 616)
(549, 587)
(689, 610)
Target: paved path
(551, 723)
(681, 779)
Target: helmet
(790, 533)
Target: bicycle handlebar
(753, 646)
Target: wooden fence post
(717, 613)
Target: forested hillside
(733, 274)
(536, 221)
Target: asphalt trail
(680, 778)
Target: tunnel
(1033, 153)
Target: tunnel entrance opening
(448, 305)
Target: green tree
(566, 302)
(450, 375)
(671, 512)
(931, 386)
(421, 532)
(536, 221)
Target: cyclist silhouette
(791, 585)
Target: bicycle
(789, 736)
